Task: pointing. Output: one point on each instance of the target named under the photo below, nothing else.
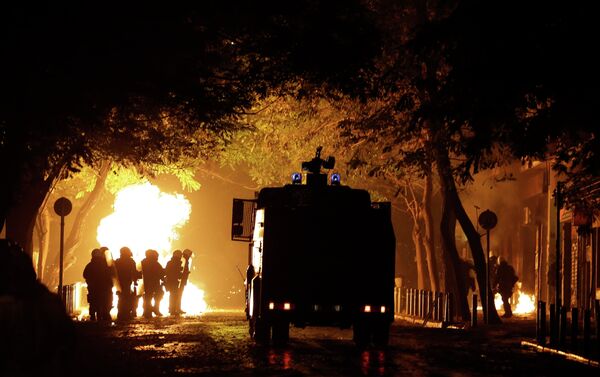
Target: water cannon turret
(313, 168)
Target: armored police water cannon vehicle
(320, 254)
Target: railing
(74, 298)
(424, 304)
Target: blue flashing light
(335, 179)
(297, 178)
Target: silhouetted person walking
(506, 282)
(152, 273)
(173, 276)
(127, 275)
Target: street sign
(62, 206)
(488, 219)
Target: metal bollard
(474, 311)
(416, 314)
(429, 305)
(574, 327)
(447, 307)
(421, 303)
(553, 326)
(538, 322)
(434, 309)
(542, 322)
(563, 325)
(452, 308)
(587, 330)
(440, 306)
(415, 299)
(597, 315)
(415, 302)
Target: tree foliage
(152, 84)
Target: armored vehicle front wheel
(261, 330)
(281, 333)
(361, 334)
(381, 334)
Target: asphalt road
(217, 344)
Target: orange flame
(522, 302)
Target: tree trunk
(21, 218)
(42, 227)
(429, 240)
(454, 271)
(451, 195)
(34, 185)
(73, 240)
(418, 241)
(478, 258)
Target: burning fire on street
(523, 303)
(146, 218)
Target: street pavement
(217, 344)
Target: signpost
(62, 207)
(488, 221)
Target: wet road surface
(217, 344)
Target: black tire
(381, 334)
(262, 331)
(281, 333)
(251, 327)
(361, 334)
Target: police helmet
(96, 253)
(125, 252)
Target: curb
(431, 324)
(568, 355)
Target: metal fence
(424, 304)
(75, 298)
